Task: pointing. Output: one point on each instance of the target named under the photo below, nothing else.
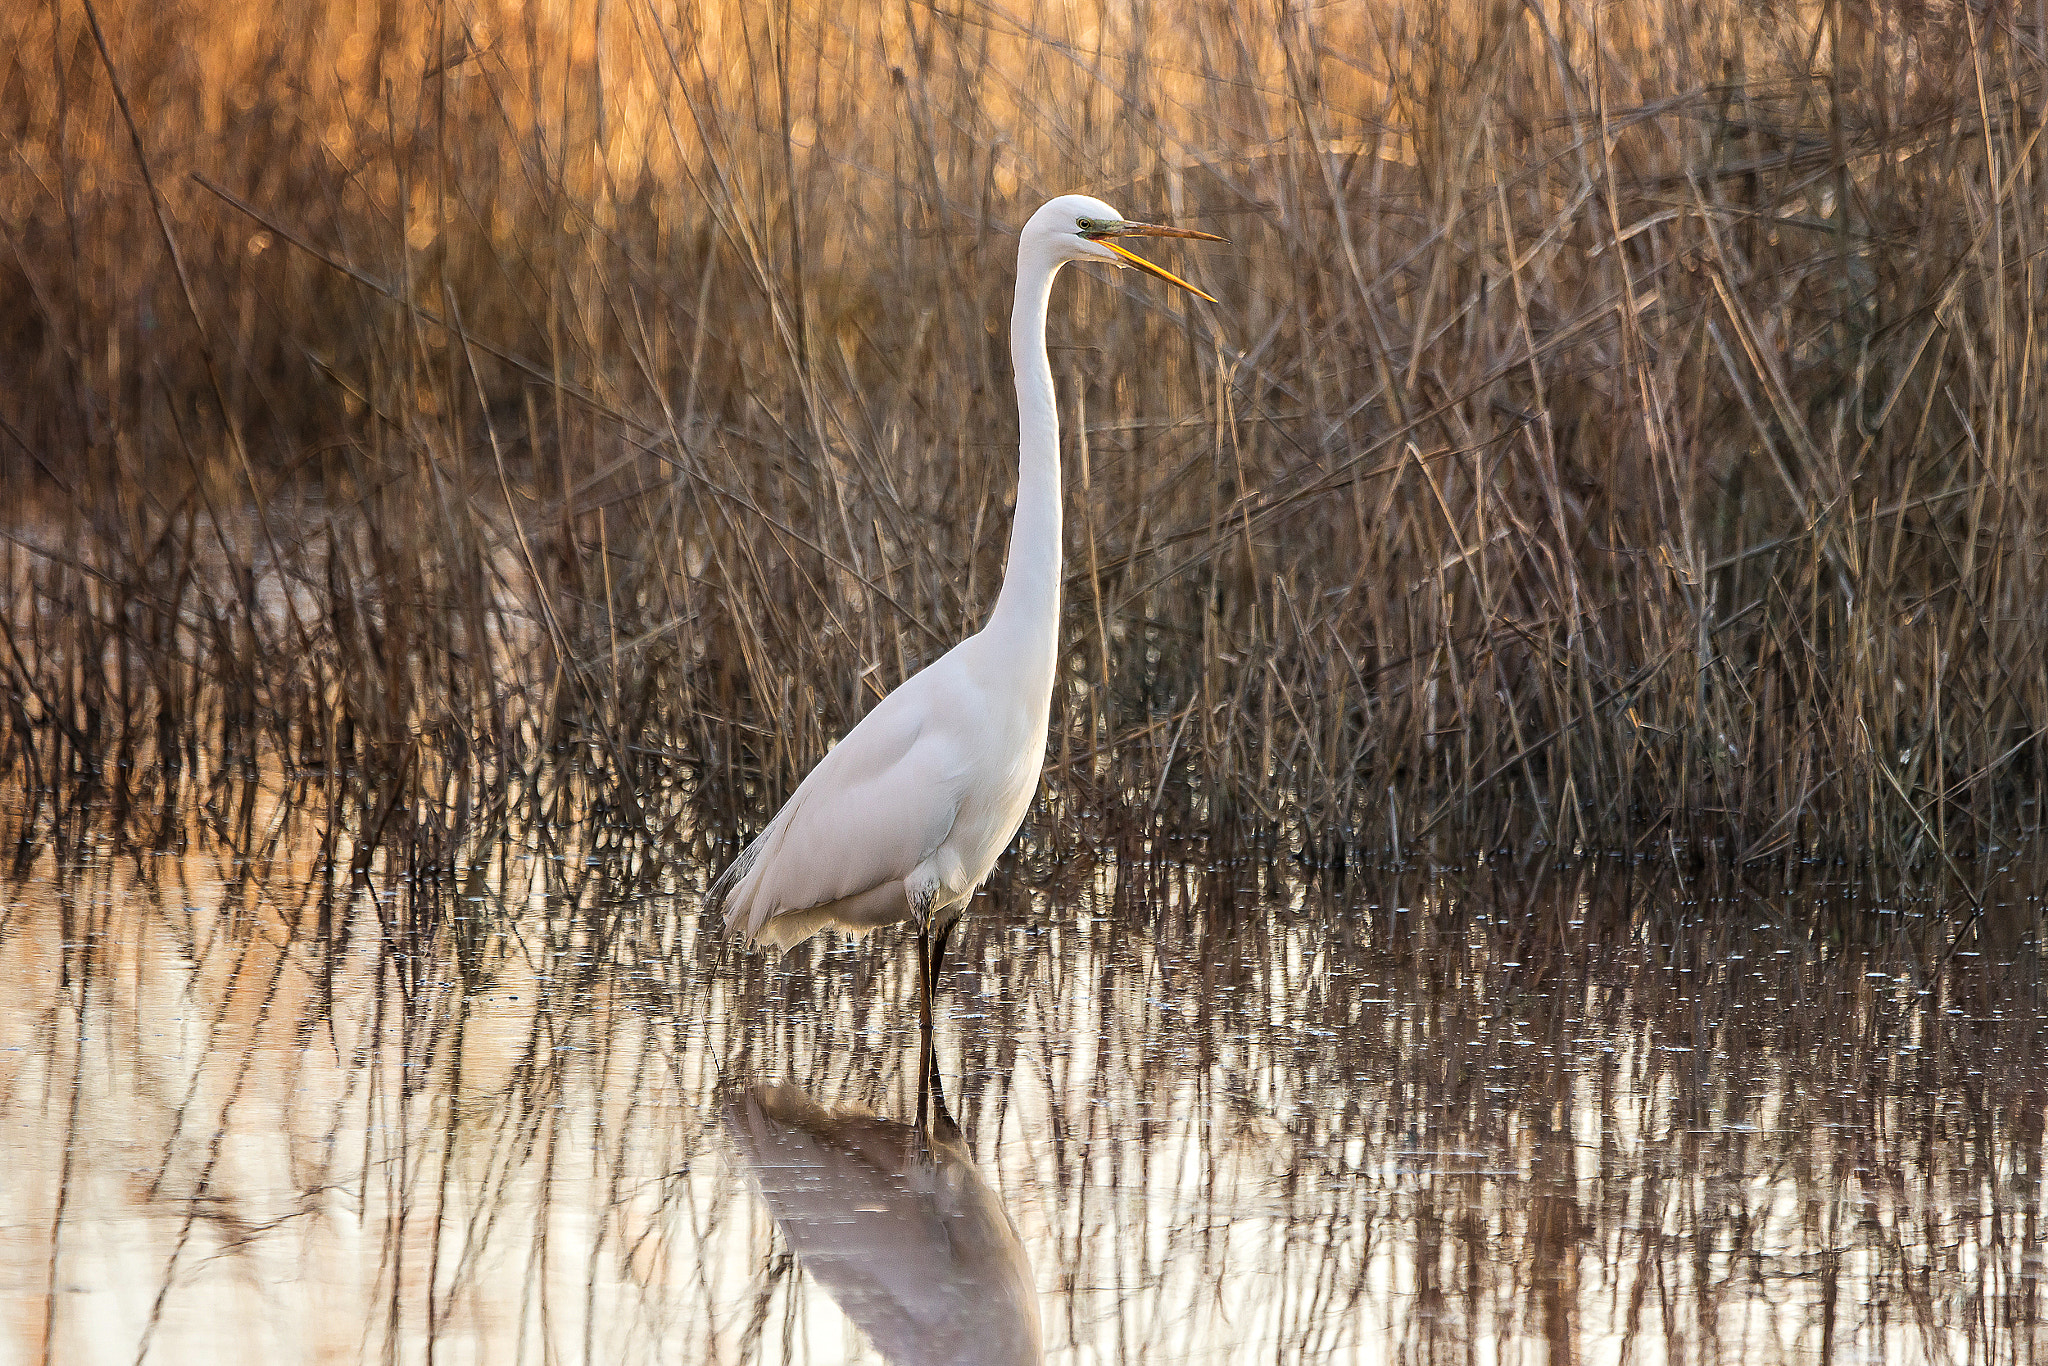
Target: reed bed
(1618, 430)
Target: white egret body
(907, 814)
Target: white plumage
(905, 817)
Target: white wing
(876, 806)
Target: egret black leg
(939, 950)
(924, 1017)
(931, 977)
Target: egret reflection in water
(897, 1224)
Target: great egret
(898, 1225)
(903, 818)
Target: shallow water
(546, 1117)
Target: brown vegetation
(1617, 431)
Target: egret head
(1078, 227)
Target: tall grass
(1620, 428)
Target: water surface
(542, 1114)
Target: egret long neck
(1027, 612)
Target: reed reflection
(1515, 1116)
(897, 1223)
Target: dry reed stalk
(1619, 431)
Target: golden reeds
(1618, 431)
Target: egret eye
(1092, 227)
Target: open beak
(1153, 230)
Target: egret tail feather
(716, 896)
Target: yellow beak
(1155, 230)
